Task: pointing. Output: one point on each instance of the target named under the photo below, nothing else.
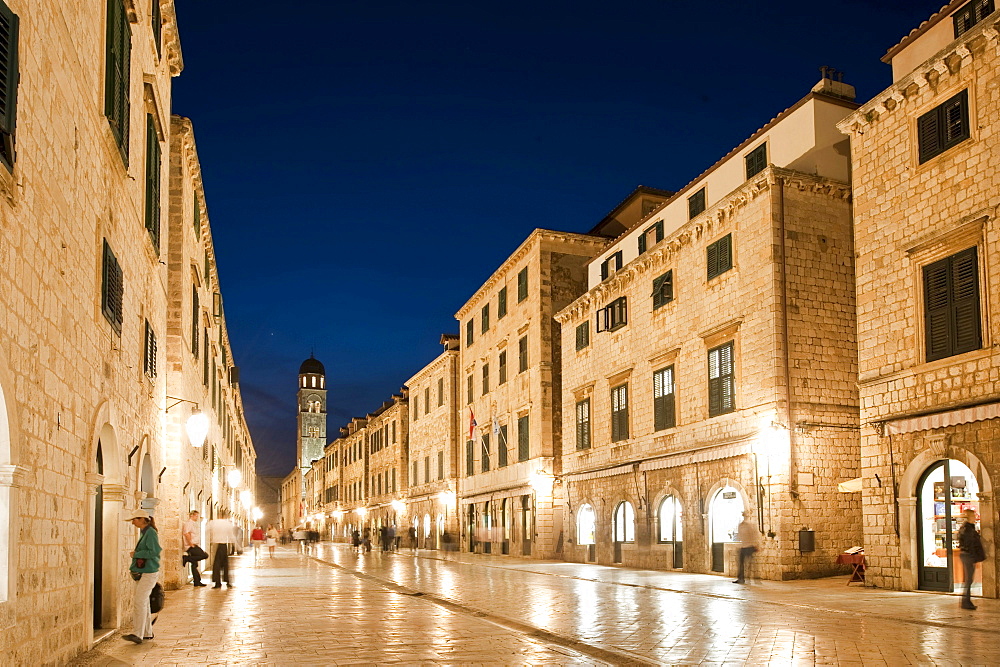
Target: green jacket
(148, 548)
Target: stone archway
(106, 486)
(937, 449)
(12, 477)
(714, 493)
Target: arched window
(427, 525)
(624, 522)
(669, 519)
(586, 526)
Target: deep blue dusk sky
(368, 164)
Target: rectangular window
(523, 443)
(663, 289)
(485, 318)
(195, 324)
(663, 399)
(522, 284)
(441, 464)
(502, 447)
(503, 367)
(522, 354)
(469, 336)
(944, 126)
(205, 363)
(951, 305)
(149, 352)
(117, 57)
(619, 413)
(427, 468)
(393, 431)
(440, 395)
(427, 400)
(156, 23)
(696, 203)
(470, 458)
(9, 76)
(416, 408)
(611, 265)
(502, 303)
(650, 237)
(112, 289)
(486, 452)
(486, 379)
(583, 424)
(756, 160)
(582, 335)
(719, 256)
(152, 182)
(971, 14)
(613, 316)
(468, 388)
(721, 384)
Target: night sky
(367, 165)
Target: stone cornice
(706, 224)
(430, 369)
(948, 62)
(171, 39)
(535, 238)
(12, 475)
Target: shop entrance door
(527, 525)
(99, 543)
(725, 515)
(946, 490)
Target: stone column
(909, 550)
(987, 523)
(12, 477)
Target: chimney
(832, 84)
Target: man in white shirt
(192, 537)
(749, 536)
(221, 534)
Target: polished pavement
(334, 606)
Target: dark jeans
(969, 565)
(195, 573)
(746, 553)
(220, 564)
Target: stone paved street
(335, 606)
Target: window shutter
(725, 253)
(118, 53)
(712, 260)
(642, 243)
(955, 117)
(9, 75)
(502, 303)
(486, 452)
(937, 310)
(157, 25)
(152, 181)
(112, 289)
(965, 281)
(501, 447)
(659, 231)
(604, 270)
(195, 309)
(523, 445)
(197, 217)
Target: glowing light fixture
(398, 506)
(542, 481)
(235, 478)
(256, 513)
(447, 497)
(361, 512)
(246, 498)
(197, 428)
(338, 514)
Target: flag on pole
(496, 425)
(472, 424)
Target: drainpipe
(793, 484)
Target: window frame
(664, 402)
(583, 429)
(971, 14)
(522, 284)
(723, 381)
(755, 160)
(613, 316)
(583, 335)
(948, 317)
(606, 270)
(933, 127)
(649, 237)
(719, 256)
(663, 289)
(619, 412)
(697, 203)
(117, 74)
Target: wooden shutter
(696, 203)
(503, 367)
(928, 135)
(9, 75)
(195, 324)
(502, 447)
(583, 424)
(112, 289)
(486, 452)
(663, 289)
(951, 305)
(955, 119)
(937, 310)
(118, 53)
(604, 269)
(197, 217)
(663, 399)
(523, 444)
(721, 384)
(152, 181)
(642, 249)
(156, 22)
(522, 285)
(502, 303)
(149, 358)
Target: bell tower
(312, 412)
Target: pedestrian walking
(749, 538)
(412, 534)
(221, 535)
(257, 540)
(145, 569)
(272, 538)
(971, 545)
(299, 535)
(192, 545)
(356, 540)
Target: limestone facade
(89, 307)
(509, 395)
(926, 192)
(433, 452)
(710, 368)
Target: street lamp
(246, 499)
(196, 425)
(398, 506)
(235, 478)
(256, 513)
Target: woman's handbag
(135, 575)
(156, 599)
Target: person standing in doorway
(221, 535)
(971, 545)
(749, 538)
(192, 539)
(145, 569)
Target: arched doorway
(488, 527)
(527, 525)
(586, 531)
(624, 528)
(945, 491)
(98, 540)
(671, 532)
(725, 514)
(471, 527)
(505, 526)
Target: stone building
(87, 299)
(386, 453)
(433, 448)
(201, 376)
(509, 414)
(354, 476)
(709, 369)
(292, 507)
(926, 192)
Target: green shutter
(928, 135)
(112, 289)
(197, 217)
(118, 53)
(152, 181)
(9, 76)
(522, 284)
(502, 303)
(156, 22)
(195, 324)
(642, 249)
(523, 443)
(965, 281)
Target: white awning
(943, 419)
(850, 485)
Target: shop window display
(947, 489)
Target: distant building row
(112, 332)
(804, 332)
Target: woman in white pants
(145, 569)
